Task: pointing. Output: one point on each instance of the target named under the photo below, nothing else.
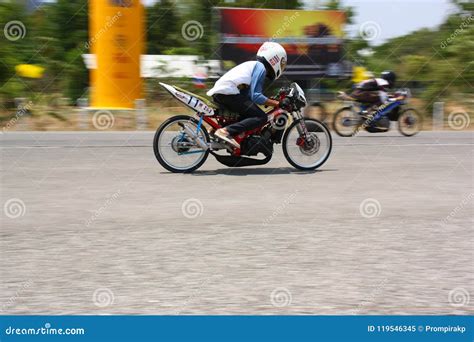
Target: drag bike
(183, 143)
(351, 119)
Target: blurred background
(48, 58)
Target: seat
(225, 112)
(206, 100)
(217, 107)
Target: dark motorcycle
(351, 119)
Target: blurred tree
(353, 48)
(336, 5)
(441, 58)
(76, 74)
(465, 5)
(12, 47)
(205, 13)
(415, 65)
(163, 27)
(60, 31)
(70, 22)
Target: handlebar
(403, 92)
(296, 99)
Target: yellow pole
(116, 39)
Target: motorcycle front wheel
(175, 149)
(310, 152)
(346, 122)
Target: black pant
(252, 116)
(367, 96)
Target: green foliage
(336, 5)
(10, 52)
(53, 33)
(76, 74)
(441, 58)
(183, 50)
(465, 5)
(204, 12)
(415, 65)
(352, 48)
(163, 27)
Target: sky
(393, 17)
(397, 17)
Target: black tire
(401, 117)
(335, 121)
(156, 150)
(312, 125)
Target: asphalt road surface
(92, 224)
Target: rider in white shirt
(240, 90)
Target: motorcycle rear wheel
(410, 122)
(172, 142)
(316, 110)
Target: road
(92, 224)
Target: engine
(255, 144)
(382, 125)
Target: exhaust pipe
(195, 138)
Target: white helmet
(275, 55)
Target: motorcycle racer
(240, 90)
(375, 91)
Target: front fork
(301, 128)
